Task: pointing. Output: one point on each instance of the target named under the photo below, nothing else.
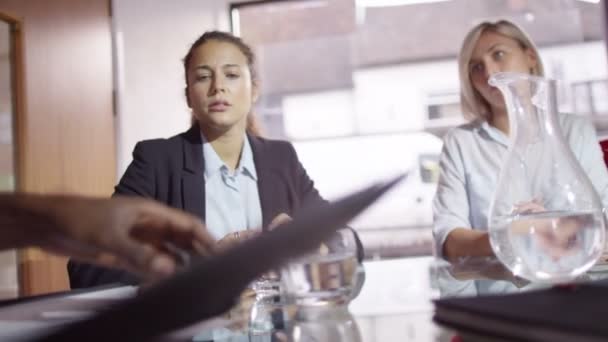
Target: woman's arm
(139, 178)
(454, 237)
(466, 242)
(121, 232)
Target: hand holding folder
(211, 286)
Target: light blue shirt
(232, 200)
(469, 165)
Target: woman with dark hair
(220, 169)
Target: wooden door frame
(18, 98)
(18, 95)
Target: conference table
(395, 304)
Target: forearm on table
(463, 242)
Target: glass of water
(267, 304)
(326, 275)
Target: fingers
(144, 258)
(129, 233)
(279, 220)
(159, 224)
(529, 207)
(235, 238)
(140, 233)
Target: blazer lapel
(193, 180)
(267, 189)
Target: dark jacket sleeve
(310, 195)
(138, 180)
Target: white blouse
(470, 162)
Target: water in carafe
(546, 222)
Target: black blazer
(171, 171)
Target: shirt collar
(246, 164)
(213, 162)
(494, 133)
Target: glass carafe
(546, 222)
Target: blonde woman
(473, 153)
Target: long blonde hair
(472, 103)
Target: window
(366, 88)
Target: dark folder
(570, 313)
(211, 286)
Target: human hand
(234, 238)
(557, 236)
(135, 234)
(533, 206)
(280, 219)
(561, 237)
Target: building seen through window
(367, 88)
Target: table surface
(395, 304)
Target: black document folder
(567, 313)
(211, 286)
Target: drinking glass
(326, 275)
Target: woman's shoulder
(463, 132)
(271, 145)
(274, 153)
(165, 146)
